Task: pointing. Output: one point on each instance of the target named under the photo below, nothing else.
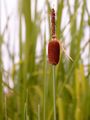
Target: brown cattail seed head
(53, 51)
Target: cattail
(53, 46)
(53, 51)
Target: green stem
(6, 108)
(45, 74)
(25, 111)
(38, 111)
(26, 117)
(45, 91)
(54, 92)
(44, 99)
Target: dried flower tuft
(53, 51)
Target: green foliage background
(33, 80)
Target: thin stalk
(45, 74)
(25, 111)
(45, 92)
(26, 117)
(6, 118)
(38, 111)
(54, 92)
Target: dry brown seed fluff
(53, 51)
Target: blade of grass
(60, 106)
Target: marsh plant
(46, 85)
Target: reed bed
(31, 97)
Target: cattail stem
(54, 92)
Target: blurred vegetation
(33, 79)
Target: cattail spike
(54, 45)
(53, 23)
